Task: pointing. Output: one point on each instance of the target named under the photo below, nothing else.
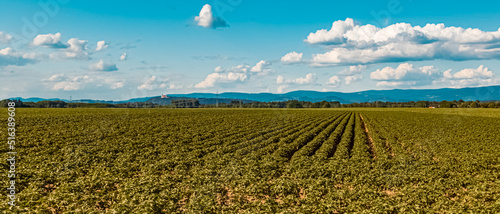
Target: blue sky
(48, 48)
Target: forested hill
(489, 93)
(202, 101)
(395, 95)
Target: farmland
(257, 160)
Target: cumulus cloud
(334, 81)
(206, 18)
(235, 74)
(212, 79)
(333, 36)
(102, 66)
(155, 82)
(124, 57)
(280, 79)
(406, 75)
(219, 69)
(405, 72)
(309, 79)
(350, 43)
(240, 68)
(261, 67)
(49, 40)
(9, 56)
(237, 69)
(5, 38)
(78, 82)
(350, 79)
(75, 49)
(292, 57)
(281, 88)
(352, 70)
(480, 76)
(460, 83)
(101, 45)
(348, 76)
(480, 72)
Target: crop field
(256, 160)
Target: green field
(256, 160)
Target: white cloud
(206, 18)
(447, 74)
(389, 73)
(49, 40)
(281, 88)
(212, 79)
(219, 69)
(241, 68)
(101, 45)
(406, 75)
(309, 79)
(280, 79)
(5, 38)
(155, 83)
(9, 56)
(333, 36)
(480, 76)
(76, 49)
(124, 57)
(71, 84)
(236, 74)
(357, 68)
(292, 57)
(7, 51)
(460, 83)
(350, 79)
(79, 82)
(395, 84)
(102, 66)
(334, 81)
(350, 43)
(405, 72)
(238, 69)
(481, 72)
(261, 67)
(114, 85)
(352, 70)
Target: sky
(117, 50)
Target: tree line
(194, 103)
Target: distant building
(164, 96)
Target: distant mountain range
(395, 95)
(488, 93)
(203, 101)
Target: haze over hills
(487, 93)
